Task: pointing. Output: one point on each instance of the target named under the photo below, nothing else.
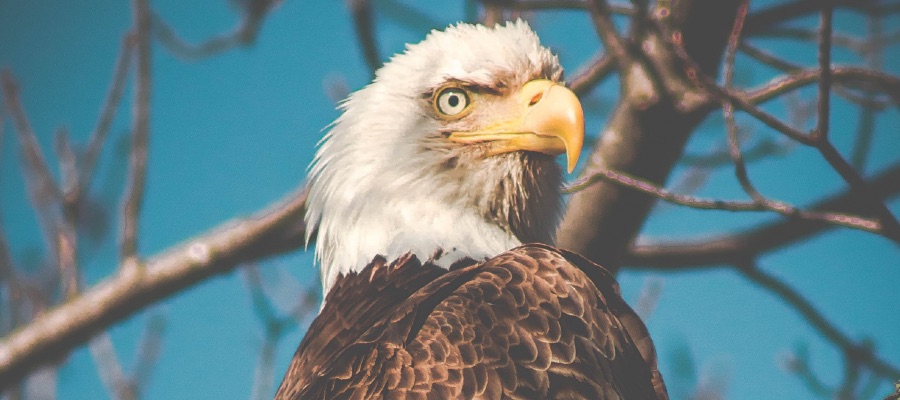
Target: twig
(851, 376)
(137, 158)
(799, 365)
(851, 349)
(734, 146)
(866, 127)
(34, 157)
(264, 374)
(768, 58)
(113, 98)
(148, 351)
(849, 76)
(67, 239)
(273, 231)
(493, 14)
(761, 150)
(850, 221)
(263, 308)
(757, 240)
(821, 131)
(9, 319)
(410, 16)
(866, 99)
(589, 75)
(890, 226)
(856, 44)
(109, 367)
(7, 269)
(275, 326)
(764, 20)
(648, 298)
(42, 188)
(254, 13)
(692, 70)
(364, 23)
(606, 30)
(2, 129)
(524, 5)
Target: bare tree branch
(606, 30)
(891, 228)
(273, 231)
(732, 96)
(850, 221)
(758, 240)
(364, 23)
(107, 112)
(109, 367)
(588, 76)
(765, 19)
(42, 188)
(821, 131)
(254, 13)
(137, 165)
(524, 5)
(799, 364)
(275, 326)
(866, 128)
(768, 58)
(851, 349)
(850, 76)
(761, 150)
(854, 43)
(148, 351)
(734, 147)
(67, 240)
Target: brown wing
(531, 323)
(355, 303)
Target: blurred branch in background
(36, 336)
(140, 133)
(253, 14)
(364, 23)
(120, 386)
(860, 353)
(275, 323)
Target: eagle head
(447, 154)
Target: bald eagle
(424, 195)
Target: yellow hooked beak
(550, 121)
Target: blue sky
(233, 133)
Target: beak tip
(571, 162)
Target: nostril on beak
(534, 100)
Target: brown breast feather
(532, 323)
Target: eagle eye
(451, 101)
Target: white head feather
(384, 181)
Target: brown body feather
(532, 323)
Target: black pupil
(453, 101)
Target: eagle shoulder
(533, 322)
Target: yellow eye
(452, 101)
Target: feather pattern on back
(532, 323)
